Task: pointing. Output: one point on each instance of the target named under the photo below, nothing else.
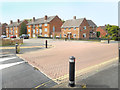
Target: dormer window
(74, 28)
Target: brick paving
(54, 61)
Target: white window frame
(84, 34)
(74, 35)
(45, 24)
(64, 35)
(28, 30)
(45, 29)
(74, 28)
(45, 35)
(84, 27)
(16, 31)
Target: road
(16, 73)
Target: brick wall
(102, 32)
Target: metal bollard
(108, 41)
(46, 43)
(72, 71)
(16, 45)
(119, 54)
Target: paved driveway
(54, 61)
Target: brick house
(3, 29)
(78, 28)
(14, 28)
(44, 27)
(102, 30)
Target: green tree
(113, 31)
(23, 29)
(98, 34)
(63, 21)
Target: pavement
(106, 77)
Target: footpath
(106, 77)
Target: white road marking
(3, 66)
(6, 58)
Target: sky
(100, 12)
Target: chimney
(11, 21)
(45, 17)
(33, 19)
(74, 17)
(18, 20)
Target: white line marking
(9, 65)
(5, 59)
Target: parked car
(13, 36)
(25, 36)
(3, 36)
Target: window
(34, 31)
(29, 35)
(64, 28)
(84, 27)
(45, 24)
(74, 28)
(45, 29)
(84, 35)
(40, 25)
(45, 35)
(74, 35)
(28, 30)
(16, 31)
(69, 28)
(37, 30)
(29, 26)
(64, 35)
(16, 26)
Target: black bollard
(46, 43)
(108, 41)
(119, 54)
(72, 71)
(16, 45)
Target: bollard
(108, 41)
(16, 45)
(119, 54)
(72, 71)
(46, 43)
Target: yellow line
(80, 71)
(22, 47)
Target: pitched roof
(72, 23)
(91, 23)
(14, 24)
(103, 27)
(42, 20)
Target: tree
(98, 34)
(63, 21)
(23, 29)
(113, 31)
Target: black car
(25, 36)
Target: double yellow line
(79, 72)
(23, 47)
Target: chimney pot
(45, 17)
(11, 21)
(74, 17)
(18, 20)
(33, 19)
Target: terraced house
(44, 27)
(14, 28)
(3, 28)
(78, 28)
